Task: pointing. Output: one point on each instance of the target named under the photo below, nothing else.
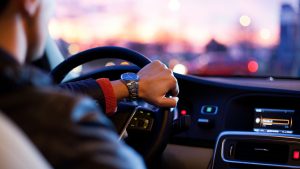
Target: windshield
(198, 37)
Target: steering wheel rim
(165, 115)
(60, 72)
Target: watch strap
(133, 87)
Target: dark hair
(3, 4)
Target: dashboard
(263, 110)
(215, 107)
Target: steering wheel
(148, 129)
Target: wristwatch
(131, 80)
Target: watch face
(130, 77)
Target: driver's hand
(156, 80)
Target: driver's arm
(155, 81)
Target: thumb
(168, 102)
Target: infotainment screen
(273, 120)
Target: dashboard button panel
(208, 109)
(204, 122)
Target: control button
(205, 122)
(296, 155)
(209, 109)
(182, 123)
(183, 112)
(142, 121)
(141, 124)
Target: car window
(199, 37)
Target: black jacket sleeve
(70, 131)
(87, 87)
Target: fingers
(159, 66)
(155, 67)
(156, 80)
(159, 63)
(168, 102)
(173, 88)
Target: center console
(268, 150)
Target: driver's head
(24, 27)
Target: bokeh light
(265, 34)
(245, 20)
(180, 68)
(253, 66)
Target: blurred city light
(265, 34)
(180, 68)
(245, 20)
(253, 66)
(147, 22)
(188, 35)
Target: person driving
(68, 128)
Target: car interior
(239, 99)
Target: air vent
(261, 152)
(256, 150)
